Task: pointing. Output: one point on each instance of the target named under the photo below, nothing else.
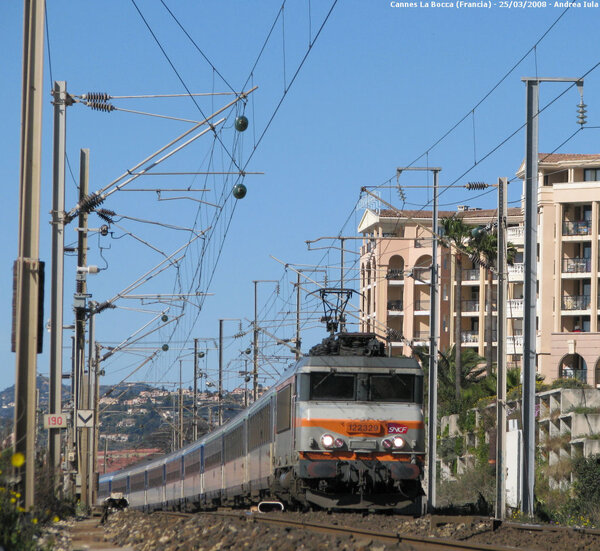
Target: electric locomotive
(343, 428)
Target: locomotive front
(359, 432)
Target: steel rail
(429, 543)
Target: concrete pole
(91, 432)
(57, 291)
(180, 440)
(501, 351)
(195, 406)
(96, 420)
(27, 270)
(220, 395)
(298, 342)
(81, 386)
(530, 283)
(255, 346)
(529, 293)
(433, 355)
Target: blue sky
(378, 88)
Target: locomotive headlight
(387, 444)
(398, 442)
(327, 440)
(339, 443)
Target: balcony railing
(422, 305)
(470, 305)
(395, 305)
(470, 275)
(515, 234)
(581, 227)
(421, 335)
(514, 305)
(422, 274)
(469, 336)
(576, 302)
(395, 274)
(516, 268)
(514, 344)
(576, 265)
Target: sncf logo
(397, 428)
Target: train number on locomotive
(368, 427)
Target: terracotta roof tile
(561, 157)
(484, 213)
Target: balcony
(514, 307)
(576, 265)
(469, 337)
(395, 305)
(470, 275)
(581, 227)
(422, 305)
(422, 336)
(470, 305)
(421, 275)
(515, 235)
(576, 302)
(395, 274)
(514, 344)
(515, 271)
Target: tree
(457, 234)
(485, 249)
(470, 379)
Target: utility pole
(220, 395)
(433, 344)
(79, 304)
(180, 408)
(298, 342)
(91, 394)
(28, 270)
(255, 338)
(195, 406)
(530, 282)
(97, 374)
(57, 291)
(501, 355)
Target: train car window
(192, 463)
(259, 425)
(392, 388)
(234, 444)
(120, 485)
(138, 482)
(332, 386)
(173, 470)
(155, 477)
(284, 409)
(213, 454)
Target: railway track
(417, 542)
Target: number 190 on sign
(55, 421)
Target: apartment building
(568, 337)
(396, 260)
(395, 275)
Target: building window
(591, 174)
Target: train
(342, 429)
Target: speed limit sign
(55, 421)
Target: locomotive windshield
(381, 387)
(332, 386)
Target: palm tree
(485, 249)
(456, 233)
(473, 385)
